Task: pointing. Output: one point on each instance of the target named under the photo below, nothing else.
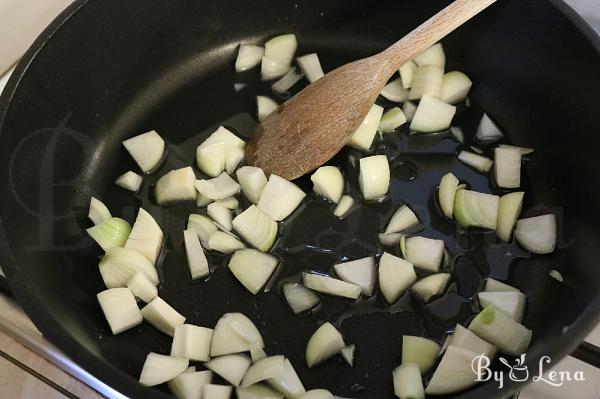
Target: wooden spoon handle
(432, 31)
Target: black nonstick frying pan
(107, 69)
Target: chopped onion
(120, 309)
(476, 161)
(279, 198)
(225, 243)
(432, 115)
(472, 208)
(509, 208)
(273, 68)
(239, 86)
(188, 385)
(282, 47)
(288, 382)
(311, 67)
(230, 367)
(325, 343)
(492, 285)
(265, 106)
(252, 268)
(162, 316)
(110, 234)
(214, 391)
(500, 330)
(328, 181)
(476, 150)
(160, 368)
(395, 91)
(390, 240)
(431, 286)
(229, 203)
(344, 206)
(395, 276)
(427, 81)
(537, 234)
(287, 81)
(407, 382)
(403, 219)
(507, 167)
(176, 186)
(348, 354)
(407, 72)
(190, 369)
(227, 339)
(330, 286)
(391, 120)
(211, 155)
(421, 351)
(448, 186)
(359, 272)
(424, 253)
(511, 302)
(257, 353)
(248, 57)
(374, 178)
(524, 150)
(191, 342)
(147, 150)
(98, 212)
(220, 187)
(252, 180)
(455, 87)
(118, 265)
(146, 236)
(256, 228)
(233, 157)
(487, 131)
(466, 339)
(142, 287)
(299, 298)
(454, 373)
(202, 201)
(203, 226)
(434, 55)
(363, 137)
(317, 394)
(221, 215)
(458, 134)
(197, 262)
(264, 369)
(130, 181)
(409, 108)
(257, 391)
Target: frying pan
(107, 70)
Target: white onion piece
(160, 368)
(146, 237)
(363, 137)
(264, 369)
(524, 150)
(288, 382)
(311, 67)
(454, 373)
(265, 106)
(229, 203)
(257, 391)
(299, 298)
(409, 108)
(455, 87)
(273, 68)
(279, 198)
(476, 161)
(407, 72)
(466, 339)
(476, 150)
(188, 385)
(287, 81)
(162, 316)
(282, 47)
(176, 186)
(221, 215)
(348, 354)
(220, 187)
(472, 208)
(130, 181)
(248, 57)
(424, 253)
(390, 240)
(391, 120)
(458, 134)
(197, 262)
(512, 303)
(214, 391)
(434, 55)
(509, 208)
(537, 234)
(252, 268)
(202, 201)
(258, 229)
(147, 150)
(507, 167)
(233, 157)
(500, 330)
(330, 286)
(252, 180)
(98, 212)
(427, 81)
(488, 131)
(446, 193)
(257, 353)
(395, 276)
(142, 287)
(403, 219)
(110, 234)
(190, 369)
(328, 181)
(317, 394)
(421, 351)
(191, 342)
(431, 286)
(203, 226)
(344, 206)
(359, 272)
(230, 367)
(432, 115)
(120, 309)
(395, 91)
(239, 87)
(407, 382)
(118, 265)
(223, 242)
(212, 153)
(325, 343)
(227, 338)
(492, 285)
(555, 274)
(374, 177)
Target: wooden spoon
(311, 127)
